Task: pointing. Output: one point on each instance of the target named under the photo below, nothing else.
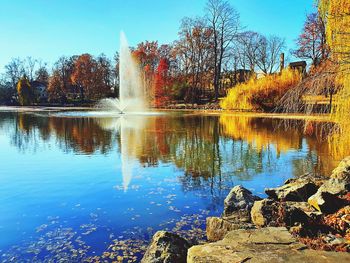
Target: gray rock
(271, 244)
(239, 199)
(218, 227)
(166, 247)
(299, 190)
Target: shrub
(261, 94)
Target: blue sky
(48, 29)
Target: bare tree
(269, 50)
(29, 67)
(224, 22)
(14, 71)
(248, 45)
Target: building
(299, 65)
(40, 90)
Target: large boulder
(335, 186)
(268, 212)
(218, 227)
(326, 202)
(298, 190)
(264, 213)
(270, 244)
(166, 247)
(342, 172)
(239, 199)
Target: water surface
(77, 186)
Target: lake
(83, 185)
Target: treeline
(83, 78)
(212, 53)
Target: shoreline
(292, 116)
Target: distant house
(40, 90)
(299, 65)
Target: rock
(342, 172)
(268, 212)
(271, 244)
(299, 190)
(325, 202)
(335, 186)
(239, 198)
(310, 211)
(264, 213)
(217, 227)
(314, 178)
(166, 247)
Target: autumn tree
(336, 13)
(60, 83)
(82, 75)
(312, 41)
(194, 53)
(146, 54)
(161, 83)
(25, 92)
(223, 20)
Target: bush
(262, 94)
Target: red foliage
(161, 83)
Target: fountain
(131, 90)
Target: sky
(48, 29)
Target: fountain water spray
(131, 90)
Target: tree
(14, 71)
(60, 83)
(248, 45)
(194, 54)
(41, 74)
(312, 41)
(82, 75)
(24, 90)
(147, 56)
(224, 23)
(30, 65)
(268, 53)
(161, 83)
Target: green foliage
(178, 90)
(25, 92)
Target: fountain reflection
(128, 127)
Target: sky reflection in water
(72, 184)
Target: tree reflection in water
(208, 149)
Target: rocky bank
(305, 220)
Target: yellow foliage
(262, 93)
(260, 133)
(337, 14)
(25, 93)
